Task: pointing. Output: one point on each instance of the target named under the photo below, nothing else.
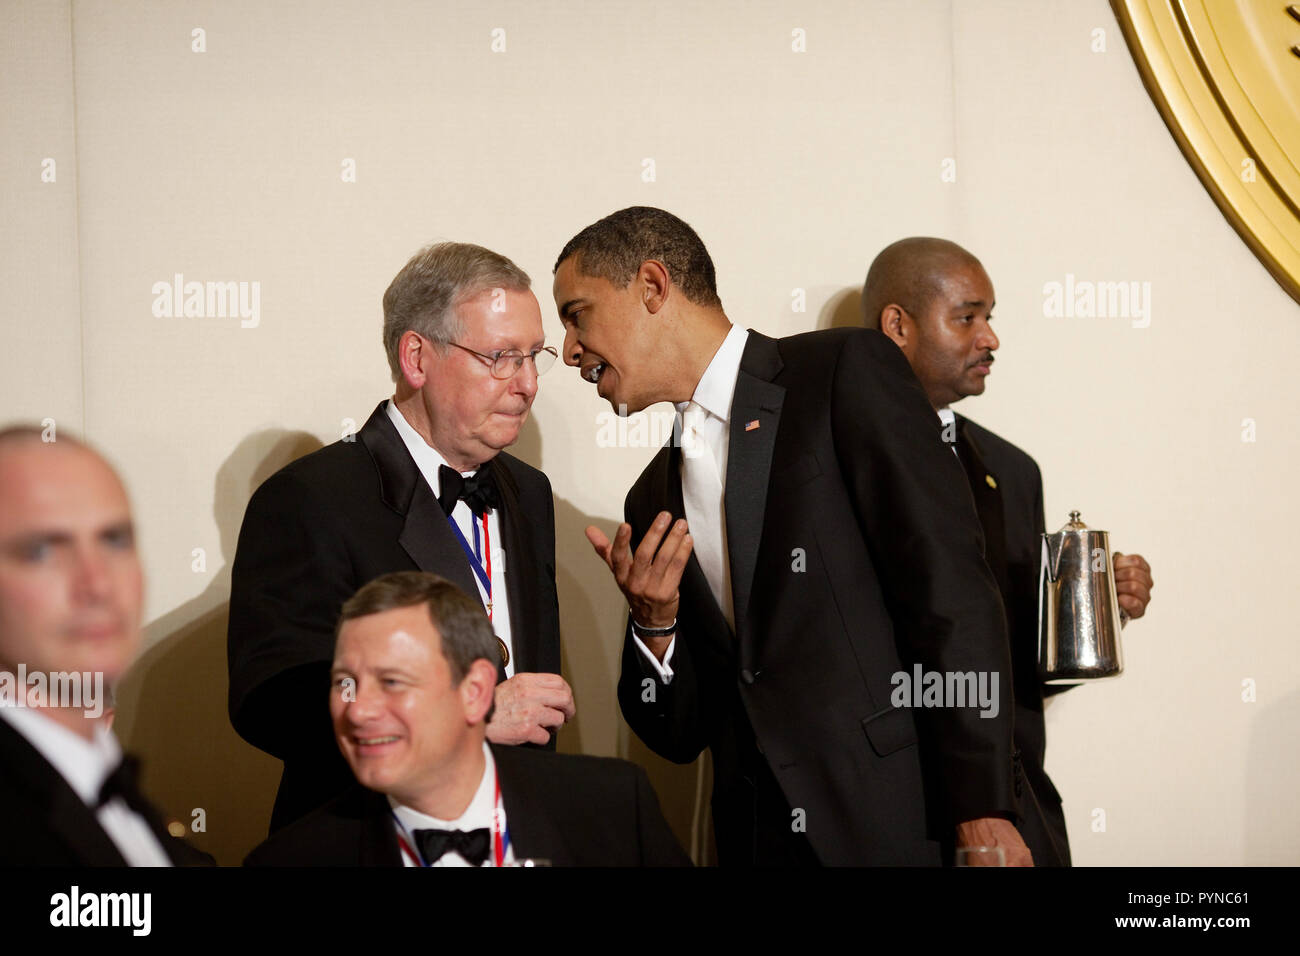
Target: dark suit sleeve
(671, 719)
(916, 514)
(290, 578)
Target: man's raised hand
(649, 579)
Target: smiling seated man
(413, 679)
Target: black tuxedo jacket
(46, 823)
(315, 532)
(1010, 509)
(848, 565)
(570, 810)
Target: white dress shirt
(713, 393)
(85, 765)
(480, 814)
(428, 460)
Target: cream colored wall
(795, 168)
(39, 297)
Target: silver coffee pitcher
(1079, 617)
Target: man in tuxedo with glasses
(424, 485)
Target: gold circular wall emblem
(1225, 75)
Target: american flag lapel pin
(752, 425)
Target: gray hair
(422, 298)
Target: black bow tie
(479, 490)
(473, 845)
(124, 782)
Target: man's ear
(897, 324)
(477, 690)
(654, 284)
(413, 356)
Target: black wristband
(646, 632)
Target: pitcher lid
(1074, 524)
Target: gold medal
(505, 652)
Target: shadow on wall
(593, 614)
(171, 707)
(843, 310)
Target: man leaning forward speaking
(797, 552)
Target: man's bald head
(909, 273)
(934, 300)
(71, 591)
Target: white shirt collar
(84, 764)
(427, 458)
(947, 415)
(717, 386)
(481, 812)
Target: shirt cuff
(662, 668)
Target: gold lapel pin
(990, 481)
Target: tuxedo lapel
(522, 568)
(378, 837)
(78, 825)
(533, 833)
(51, 796)
(426, 536)
(429, 540)
(988, 503)
(755, 417)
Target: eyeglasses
(505, 364)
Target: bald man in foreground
(71, 596)
(934, 299)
